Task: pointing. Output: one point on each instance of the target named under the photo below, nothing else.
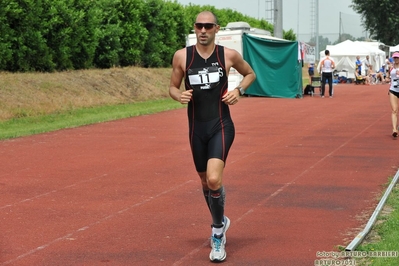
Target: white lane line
(277, 192)
(87, 227)
(51, 192)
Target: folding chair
(315, 83)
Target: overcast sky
(297, 14)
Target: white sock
(217, 231)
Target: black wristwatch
(241, 90)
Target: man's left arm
(242, 67)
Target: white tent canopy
(377, 56)
(344, 55)
(393, 49)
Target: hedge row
(56, 35)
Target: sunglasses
(207, 26)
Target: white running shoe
(218, 253)
(226, 225)
(226, 222)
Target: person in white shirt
(326, 68)
(367, 65)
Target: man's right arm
(319, 65)
(176, 79)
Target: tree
(344, 37)
(289, 35)
(5, 33)
(27, 34)
(111, 32)
(323, 42)
(54, 35)
(165, 22)
(57, 19)
(135, 34)
(225, 16)
(380, 18)
(71, 30)
(85, 34)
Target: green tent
(275, 62)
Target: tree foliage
(109, 43)
(72, 34)
(289, 35)
(162, 21)
(27, 42)
(56, 35)
(227, 15)
(135, 34)
(380, 18)
(6, 33)
(323, 42)
(344, 37)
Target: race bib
(204, 78)
(395, 83)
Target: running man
(205, 67)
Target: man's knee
(214, 182)
(210, 180)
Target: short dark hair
(213, 14)
(216, 18)
(326, 52)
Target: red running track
(303, 175)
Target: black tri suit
(211, 130)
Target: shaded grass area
(25, 126)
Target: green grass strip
(387, 228)
(25, 126)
